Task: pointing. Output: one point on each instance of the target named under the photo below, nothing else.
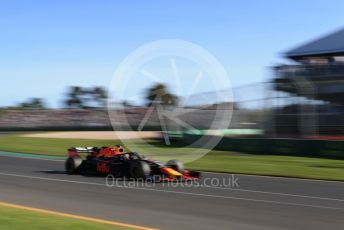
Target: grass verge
(46, 146)
(17, 219)
(284, 166)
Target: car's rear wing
(75, 151)
(83, 149)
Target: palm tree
(159, 94)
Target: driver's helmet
(117, 149)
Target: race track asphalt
(253, 203)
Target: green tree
(159, 94)
(75, 97)
(34, 103)
(78, 97)
(100, 96)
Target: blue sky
(48, 45)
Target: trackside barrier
(276, 146)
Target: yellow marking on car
(172, 172)
(92, 219)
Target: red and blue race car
(113, 161)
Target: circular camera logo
(174, 91)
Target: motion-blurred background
(286, 101)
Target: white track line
(277, 177)
(276, 193)
(177, 192)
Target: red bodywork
(167, 174)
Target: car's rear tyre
(72, 165)
(176, 165)
(139, 170)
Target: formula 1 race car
(113, 161)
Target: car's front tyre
(176, 165)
